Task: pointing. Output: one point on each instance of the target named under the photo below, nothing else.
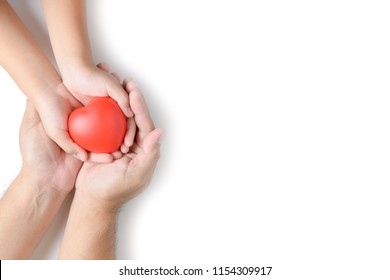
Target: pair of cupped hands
(51, 157)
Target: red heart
(99, 127)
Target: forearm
(26, 211)
(21, 56)
(90, 231)
(67, 25)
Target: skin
(23, 59)
(33, 199)
(67, 25)
(101, 189)
(31, 202)
(53, 98)
(47, 176)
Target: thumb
(30, 116)
(152, 140)
(142, 171)
(62, 138)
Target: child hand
(85, 82)
(54, 106)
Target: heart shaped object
(98, 127)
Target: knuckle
(133, 84)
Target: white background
(277, 131)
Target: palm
(94, 179)
(119, 180)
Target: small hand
(42, 157)
(88, 81)
(54, 107)
(112, 184)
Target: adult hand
(111, 184)
(42, 158)
(33, 199)
(101, 189)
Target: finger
(62, 138)
(129, 84)
(136, 148)
(130, 132)
(116, 76)
(124, 149)
(104, 66)
(100, 158)
(141, 113)
(144, 163)
(30, 111)
(75, 103)
(130, 128)
(30, 116)
(142, 117)
(117, 155)
(152, 141)
(116, 92)
(130, 155)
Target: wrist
(90, 232)
(71, 68)
(41, 184)
(35, 196)
(48, 88)
(97, 206)
(57, 89)
(27, 209)
(45, 87)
